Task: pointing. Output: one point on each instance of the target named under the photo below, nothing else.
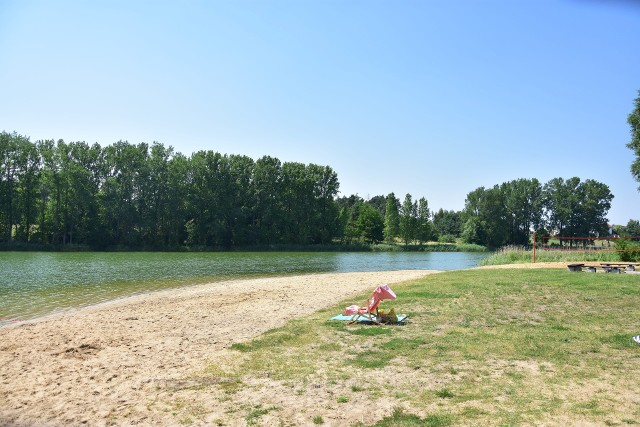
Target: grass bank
(519, 255)
(483, 347)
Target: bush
(447, 238)
(629, 250)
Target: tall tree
(267, 181)
(325, 190)
(296, 206)
(370, 224)
(380, 203)
(30, 167)
(576, 208)
(81, 170)
(20, 167)
(523, 204)
(423, 221)
(408, 220)
(206, 198)
(391, 218)
(348, 217)
(484, 217)
(124, 192)
(634, 144)
(238, 217)
(179, 181)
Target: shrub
(447, 238)
(629, 250)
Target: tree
(206, 198)
(447, 225)
(380, 203)
(178, 183)
(561, 202)
(408, 220)
(634, 144)
(81, 172)
(391, 218)
(238, 216)
(370, 224)
(423, 223)
(576, 208)
(325, 210)
(30, 168)
(349, 214)
(267, 181)
(485, 217)
(123, 193)
(9, 164)
(523, 204)
(633, 228)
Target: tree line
(149, 196)
(141, 195)
(509, 212)
(506, 214)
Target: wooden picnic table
(609, 267)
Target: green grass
(401, 419)
(254, 415)
(483, 347)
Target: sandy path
(100, 365)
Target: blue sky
(431, 98)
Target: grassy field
(483, 347)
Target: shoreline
(99, 363)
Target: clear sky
(432, 98)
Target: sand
(110, 364)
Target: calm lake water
(33, 284)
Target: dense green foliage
(149, 196)
(631, 229)
(385, 219)
(629, 250)
(506, 213)
(447, 225)
(391, 218)
(54, 193)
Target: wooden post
(534, 247)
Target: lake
(33, 284)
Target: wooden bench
(629, 266)
(606, 267)
(575, 267)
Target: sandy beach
(110, 364)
